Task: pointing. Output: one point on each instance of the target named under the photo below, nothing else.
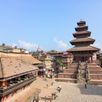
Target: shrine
(82, 50)
(84, 68)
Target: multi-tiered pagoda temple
(79, 70)
(82, 50)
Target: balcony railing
(14, 87)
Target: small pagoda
(82, 50)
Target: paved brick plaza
(78, 93)
(70, 92)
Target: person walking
(85, 85)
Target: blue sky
(48, 24)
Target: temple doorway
(84, 58)
(81, 58)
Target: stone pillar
(36, 73)
(0, 83)
(4, 84)
(91, 59)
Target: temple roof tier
(81, 28)
(84, 48)
(78, 34)
(81, 40)
(81, 23)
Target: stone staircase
(82, 75)
(95, 73)
(69, 74)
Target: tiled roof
(27, 58)
(82, 32)
(81, 22)
(5, 48)
(11, 65)
(85, 48)
(82, 40)
(80, 27)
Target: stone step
(95, 72)
(71, 67)
(66, 80)
(94, 67)
(92, 64)
(96, 76)
(96, 82)
(70, 71)
(66, 75)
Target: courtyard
(78, 93)
(70, 92)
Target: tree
(59, 64)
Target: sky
(47, 24)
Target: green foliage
(52, 51)
(59, 62)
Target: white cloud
(13, 45)
(28, 45)
(61, 44)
